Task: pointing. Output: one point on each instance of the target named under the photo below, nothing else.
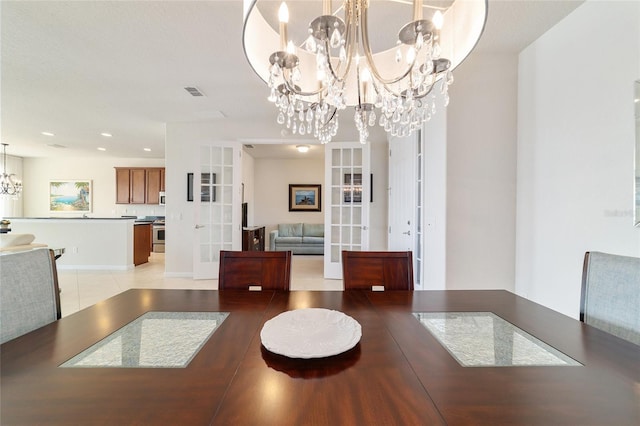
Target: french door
(347, 180)
(217, 205)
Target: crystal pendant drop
(296, 76)
(335, 38)
(301, 115)
(343, 54)
(449, 77)
(280, 119)
(436, 50)
(302, 129)
(419, 41)
(310, 44)
(372, 119)
(272, 95)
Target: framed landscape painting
(70, 196)
(305, 198)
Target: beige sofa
(299, 238)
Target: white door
(347, 180)
(217, 204)
(405, 198)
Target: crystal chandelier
(9, 183)
(335, 67)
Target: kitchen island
(89, 243)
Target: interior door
(347, 171)
(402, 200)
(405, 199)
(217, 205)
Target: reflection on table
(156, 339)
(484, 339)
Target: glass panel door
(347, 178)
(217, 207)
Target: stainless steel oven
(158, 236)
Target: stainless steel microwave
(161, 198)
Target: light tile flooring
(81, 289)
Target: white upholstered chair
(610, 297)
(29, 292)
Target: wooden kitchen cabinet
(139, 185)
(153, 186)
(142, 235)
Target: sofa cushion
(290, 230)
(10, 240)
(313, 230)
(289, 240)
(312, 240)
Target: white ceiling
(79, 68)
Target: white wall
(576, 149)
(481, 174)
(39, 171)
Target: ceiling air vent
(194, 91)
(248, 146)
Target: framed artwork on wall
(305, 198)
(70, 196)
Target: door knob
(407, 233)
(199, 226)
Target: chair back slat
(271, 270)
(392, 270)
(610, 297)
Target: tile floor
(81, 289)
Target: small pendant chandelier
(9, 183)
(335, 67)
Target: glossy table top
(399, 372)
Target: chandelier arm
(349, 42)
(364, 30)
(292, 88)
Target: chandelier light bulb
(438, 20)
(302, 148)
(283, 13)
(283, 17)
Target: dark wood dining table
(398, 373)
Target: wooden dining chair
(610, 298)
(29, 292)
(264, 270)
(391, 270)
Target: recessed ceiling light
(101, 149)
(147, 149)
(302, 148)
(47, 133)
(106, 135)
